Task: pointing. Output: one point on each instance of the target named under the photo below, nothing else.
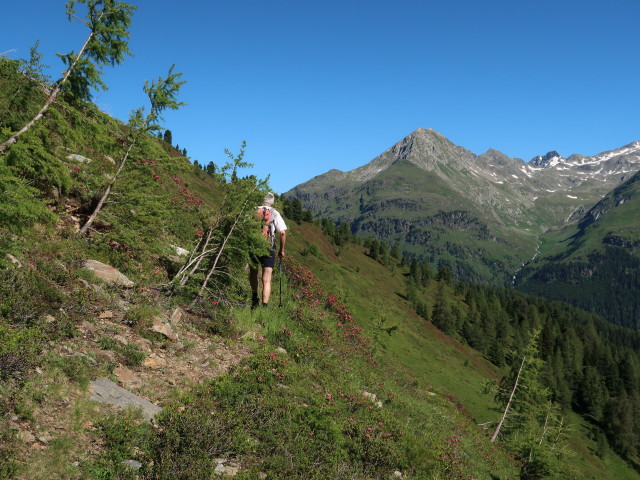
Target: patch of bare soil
(176, 358)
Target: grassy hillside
(288, 393)
(377, 293)
(344, 381)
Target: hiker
(273, 224)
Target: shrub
(140, 315)
(9, 468)
(77, 369)
(125, 436)
(19, 349)
(26, 295)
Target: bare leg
(253, 282)
(253, 279)
(266, 283)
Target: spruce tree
(531, 424)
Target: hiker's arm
(283, 241)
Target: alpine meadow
(438, 314)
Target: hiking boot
(255, 301)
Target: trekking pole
(280, 304)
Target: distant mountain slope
(480, 215)
(598, 266)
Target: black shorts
(268, 261)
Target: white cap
(269, 199)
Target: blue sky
(313, 86)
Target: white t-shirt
(276, 219)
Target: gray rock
(79, 158)
(11, 259)
(107, 273)
(105, 391)
(180, 251)
(132, 464)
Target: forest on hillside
(606, 282)
(590, 365)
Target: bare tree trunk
(544, 429)
(200, 257)
(193, 258)
(103, 199)
(52, 97)
(506, 410)
(213, 268)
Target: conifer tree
(162, 94)
(414, 272)
(395, 251)
(231, 233)
(211, 169)
(296, 210)
(531, 424)
(442, 314)
(307, 216)
(108, 22)
(374, 250)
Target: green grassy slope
(375, 293)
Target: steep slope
(595, 263)
(302, 399)
(375, 296)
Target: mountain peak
(426, 134)
(551, 159)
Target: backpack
(268, 228)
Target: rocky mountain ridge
(397, 194)
(430, 150)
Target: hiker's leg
(253, 282)
(253, 279)
(266, 284)
(268, 263)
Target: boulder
(107, 273)
(164, 329)
(105, 391)
(79, 158)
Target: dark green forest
(590, 365)
(607, 283)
